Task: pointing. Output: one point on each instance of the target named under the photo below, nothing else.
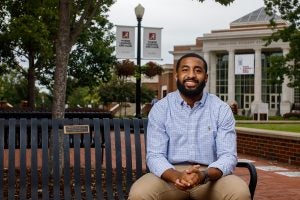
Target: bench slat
(87, 157)
(145, 124)
(56, 173)
(77, 173)
(108, 158)
(1, 157)
(118, 150)
(128, 153)
(34, 170)
(45, 159)
(98, 158)
(11, 159)
(67, 172)
(23, 160)
(137, 140)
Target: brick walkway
(271, 184)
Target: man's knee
(140, 189)
(237, 189)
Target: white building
(238, 62)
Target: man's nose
(191, 73)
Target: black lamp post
(139, 12)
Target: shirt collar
(201, 103)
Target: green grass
(276, 127)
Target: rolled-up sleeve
(226, 143)
(157, 143)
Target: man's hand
(176, 177)
(186, 179)
(194, 176)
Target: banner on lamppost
(125, 36)
(152, 43)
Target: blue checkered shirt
(178, 134)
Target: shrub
(292, 116)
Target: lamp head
(139, 11)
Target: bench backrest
(24, 145)
(101, 164)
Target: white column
(257, 76)
(287, 95)
(207, 59)
(231, 77)
(213, 73)
(287, 92)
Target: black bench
(111, 159)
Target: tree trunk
(63, 47)
(31, 81)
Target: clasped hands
(190, 178)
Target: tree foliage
(288, 10)
(26, 33)
(151, 69)
(29, 33)
(12, 88)
(223, 2)
(276, 70)
(125, 68)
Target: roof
(257, 16)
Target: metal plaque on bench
(76, 129)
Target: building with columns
(238, 61)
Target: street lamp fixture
(139, 12)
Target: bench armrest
(253, 175)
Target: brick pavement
(272, 185)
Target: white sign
(244, 64)
(125, 47)
(152, 43)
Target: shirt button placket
(191, 136)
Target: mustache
(191, 79)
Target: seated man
(191, 143)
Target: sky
(182, 20)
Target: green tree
(12, 88)
(151, 69)
(29, 30)
(25, 34)
(74, 18)
(276, 70)
(288, 10)
(223, 2)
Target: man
(191, 143)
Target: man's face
(191, 77)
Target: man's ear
(206, 77)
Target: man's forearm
(214, 173)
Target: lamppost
(139, 12)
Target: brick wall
(274, 145)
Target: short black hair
(191, 55)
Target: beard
(190, 92)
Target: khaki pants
(151, 187)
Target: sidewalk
(275, 181)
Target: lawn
(276, 127)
